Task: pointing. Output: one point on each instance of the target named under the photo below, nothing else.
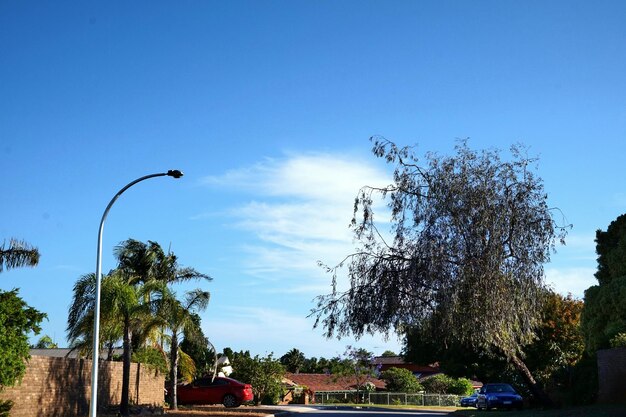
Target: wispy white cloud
(299, 211)
(571, 280)
(313, 177)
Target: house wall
(61, 387)
(611, 375)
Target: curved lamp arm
(96, 320)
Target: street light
(96, 320)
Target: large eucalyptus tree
(463, 256)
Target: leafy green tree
(80, 317)
(152, 356)
(17, 319)
(293, 360)
(265, 374)
(17, 254)
(389, 354)
(437, 384)
(400, 380)
(444, 384)
(559, 344)
(45, 342)
(358, 365)
(460, 386)
(311, 366)
(618, 341)
(229, 353)
(551, 356)
(469, 233)
(179, 317)
(611, 250)
(604, 312)
(198, 348)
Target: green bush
(618, 341)
(151, 357)
(443, 384)
(460, 386)
(5, 407)
(437, 384)
(400, 380)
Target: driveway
(326, 411)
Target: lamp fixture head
(175, 173)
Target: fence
(61, 387)
(387, 398)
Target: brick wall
(611, 375)
(61, 387)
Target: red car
(227, 391)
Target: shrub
(437, 384)
(618, 341)
(400, 380)
(460, 386)
(151, 357)
(443, 384)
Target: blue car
(469, 401)
(498, 396)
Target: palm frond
(17, 254)
(186, 366)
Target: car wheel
(230, 401)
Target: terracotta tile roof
(323, 382)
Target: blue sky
(267, 106)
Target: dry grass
(208, 411)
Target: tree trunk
(124, 408)
(534, 387)
(174, 372)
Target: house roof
(324, 382)
(396, 361)
(389, 360)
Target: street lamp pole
(96, 320)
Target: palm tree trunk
(174, 371)
(124, 406)
(531, 383)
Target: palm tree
(180, 318)
(293, 360)
(125, 299)
(80, 318)
(142, 263)
(17, 254)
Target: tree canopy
(293, 360)
(263, 373)
(17, 319)
(463, 259)
(604, 312)
(400, 380)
